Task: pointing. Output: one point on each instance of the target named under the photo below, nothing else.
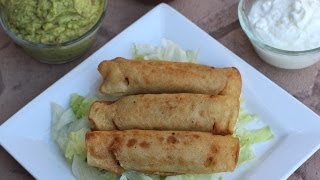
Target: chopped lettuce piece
(75, 102)
(167, 51)
(85, 107)
(133, 175)
(246, 154)
(62, 138)
(82, 171)
(57, 112)
(245, 118)
(66, 129)
(136, 54)
(59, 127)
(76, 144)
(66, 117)
(79, 124)
(80, 105)
(249, 137)
(256, 136)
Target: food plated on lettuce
(169, 120)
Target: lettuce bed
(70, 125)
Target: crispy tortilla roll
(127, 77)
(99, 153)
(188, 112)
(162, 152)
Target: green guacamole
(51, 21)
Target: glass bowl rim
(23, 42)
(244, 23)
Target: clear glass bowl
(274, 56)
(56, 53)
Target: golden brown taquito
(188, 112)
(126, 77)
(162, 152)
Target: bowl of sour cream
(284, 33)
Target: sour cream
(287, 24)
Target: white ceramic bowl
(274, 56)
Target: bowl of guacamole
(52, 31)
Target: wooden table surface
(22, 78)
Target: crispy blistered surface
(163, 152)
(127, 77)
(188, 112)
(100, 114)
(99, 153)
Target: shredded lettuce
(79, 124)
(68, 130)
(244, 119)
(76, 143)
(57, 111)
(75, 102)
(133, 175)
(70, 125)
(82, 171)
(64, 122)
(256, 136)
(167, 51)
(59, 127)
(249, 137)
(246, 154)
(66, 118)
(61, 138)
(80, 105)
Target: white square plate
(26, 135)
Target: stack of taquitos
(166, 101)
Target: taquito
(188, 112)
(127, 77)
(161, 152)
